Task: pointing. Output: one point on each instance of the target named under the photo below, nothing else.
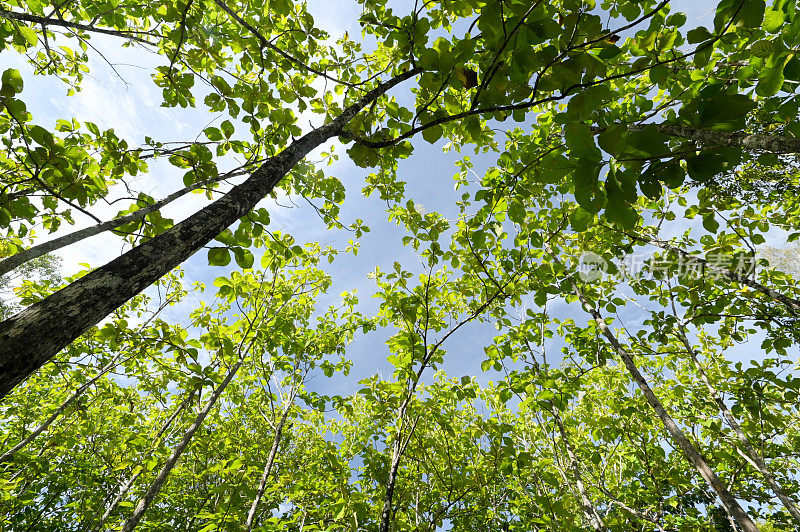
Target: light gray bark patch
(738, 139)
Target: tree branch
(45, 21)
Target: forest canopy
(594, 328)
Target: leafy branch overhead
(608, 137)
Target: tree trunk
(398, 448)
(590, 512)
(752, 456)
(60, 410)
(738, 139)
(124, 487)
(166, 469)
(21, 257)
(692, 455)
(262, 485)
(791, 304)
(31, 338)
(386, 511)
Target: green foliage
(612, 134)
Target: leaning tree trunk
(737, 139)
(262, 485)
(20, 258)
(31, 338)
(125, 486)
(590, 512)
(692, 455)
(791, 304)
(752, 455)
(166, 469)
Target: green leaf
(587, 191)
(698, 35)
(609, 52)
(17, 109)
(762, 48)
(751, 13)
(770, 81)
(41, 136)
(432, 133)
(774, 20)
(650, 187)
(244, 257)
(648, 142)
(29, 34)
(581, 142)
(705, 166)
(579, 219)
(12, 82)
(659, 73)
(619, 209)
(612, 139)
(710, 223)
(219, 256)
(227, 129)
(429, 59)
(478, 239)
(213, 134)
(725, 113)
(516, 212)
(791, 70)
(670, 173)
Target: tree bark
(692, 455)
(791, 304)
(398, 448)
(60, 410)
(752, 456)
(262, 485)
(166, 469)
(738, 139)
(769, 143)
(20, 258)
(32, 337)
(589, 510)
(386, 511)
(126, 486)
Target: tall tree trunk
(692, 455)
(386, 511)
(262, 485)
(752, 455)
(736, 139)
(124, 487)
(166, 469)
(398, 448)
(590, 512)
(21, 257)
(791, 304)
(31, 338)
